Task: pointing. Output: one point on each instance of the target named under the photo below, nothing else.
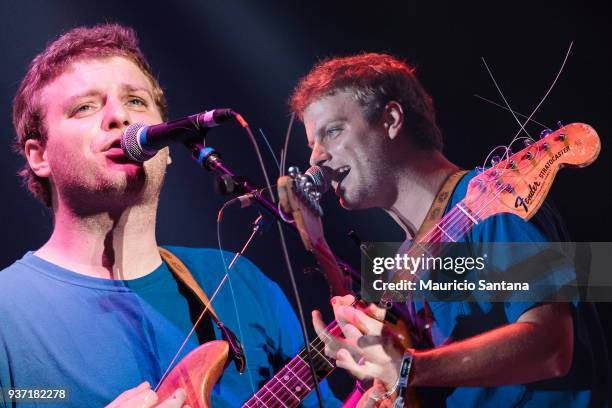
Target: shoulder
(545, 225)
(210, 264)
(18, 283)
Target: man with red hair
(369, 121)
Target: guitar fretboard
(294, 382)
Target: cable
(245, 125)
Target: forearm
(520, 352)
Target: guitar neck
(450, 228)
(290, 386)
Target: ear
(36, 155)
(393, 119)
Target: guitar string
(299, 374)
(274, 393)
(450, 224)
(454, 216)
(507, 151)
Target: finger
(345, 359)
(142, 387)
(369, 398)
(319, 326)
(365, 401)
(363, 322)
(339, 301)
(332, 343)
(373, 310)
(351, 333)
(345, 300)
(176, 400)
(144, 399)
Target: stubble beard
(88, 191)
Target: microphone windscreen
(320, 177)
(131, 146)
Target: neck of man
(118, 244)
(417, 184)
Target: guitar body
(197, 374)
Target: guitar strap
(183, 274)
(439, 204)
(425, 320)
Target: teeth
(341, 173)
(342, 170)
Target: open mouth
(340, 175)
(115, 153)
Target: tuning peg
(545, 133)
(527, 142)
(293, 171)
(562, 137)
(495, 160)
(509, 188)
(315, 195)
(308, 186)
(479, 169)
(482, 185)
(559, 124)
(512, 164)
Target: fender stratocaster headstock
(520, 183)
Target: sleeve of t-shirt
(509, 228)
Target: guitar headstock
(520, 183)
(299, 197)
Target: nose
(116, 115)
(319, 155)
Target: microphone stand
(210, 159)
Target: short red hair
(374, 80)
(101, 41)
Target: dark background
(248, 55)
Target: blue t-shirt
(588, 382)
(98, 337)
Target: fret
(295, 379)
(285, 386)
(445, 233)
(298, 377)
(256, 397)
(465, 211)
(274, 395)
(313, 357)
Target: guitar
(518, 185)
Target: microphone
(141, 142)
(320, 177)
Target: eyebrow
(97, 92)
(131, 88)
